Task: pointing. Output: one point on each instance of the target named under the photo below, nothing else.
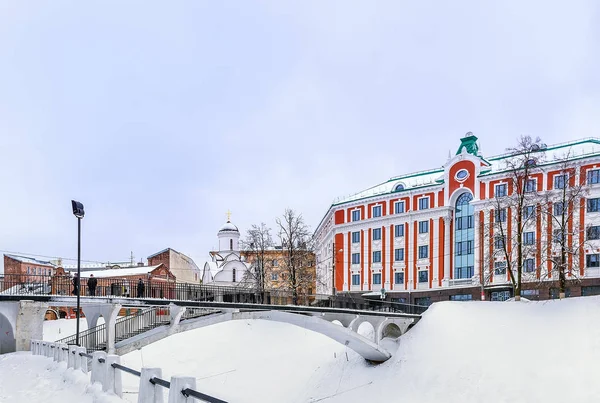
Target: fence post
(71, 358)
(56, 352)
(179, 383)
(34, 348)
(64, 354)
(76, 358)
(31, 345)
(81, 361)
(149, 392)
(98, 369)
(113, 382)
(43, 350)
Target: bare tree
(562, 205)
(510, 212)
(256, 245)
(298, 257)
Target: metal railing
(166, 384)
(141, 322)
(22, 284)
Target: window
(356, 237)
(423, 276)
(399, 277)
(399, 187)
(500, 295)
(529, 265)
(356, 258)
(461, 297)
(399, 255)
(424, 203)
(275, 263)
(356, 279)
(559, 208)
(464, 272)
(529, 238)
(274, 276)
(593, 232)
(423, 301)
(590, 290)
(464, 222)
(399, 231)
(233, 276)
(28, 270)
(377, 256)
(231, 244)
(560, 181)
(462, 174)
(399, 207)
(529, 212)
(593, 176)
(423, 252)
(499, 268)
(377, 211)
(501, 190)
(464, 248)
(593, 205)
(355, 215)
(592, 260)
(377, 278)
(557, 236)
(377, 234)
(501, 215)
(530, 185)
(499, 241)
(423, 227)
(555, 293)
(530, 293)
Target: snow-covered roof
(229, 227)
(30, 260)
(132, 271)
(574, 149)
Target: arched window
(464, 237)
(399, 187)
(233, 277)
(231, 244)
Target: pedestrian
(92, 283)
(75, 285)
(140, 288)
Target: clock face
(462, 174)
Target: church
(227, 266)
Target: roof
(229, 227)
(30, 260)
(575, 149)
(132, 271)
(162, 251)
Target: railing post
(56, 352)
(71, 359)
(113, 382)
(179, 383)
(149, 392)
(76, 359)
(31, 345)
(98, 369)
(64, 354)
(34, 349)
(81, 361)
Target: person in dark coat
(140, 288)
(92, 283)
(75, 285)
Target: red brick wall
(161, 258)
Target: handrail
(194, 393)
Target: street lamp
(79, 213)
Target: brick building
(434, 235)
(26, 269)
(180, 265)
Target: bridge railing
(61, 285)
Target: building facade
(26, 269)
(433, 235)
(227, 267)
(180, 265)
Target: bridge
(154, 319)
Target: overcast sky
(161, 115)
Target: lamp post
(79, 213)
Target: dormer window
(399, 187)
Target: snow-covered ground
(25, 378)
(459, 352)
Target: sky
(162, 116)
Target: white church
(226, 266)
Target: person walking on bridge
(140, 288)
(75, 285)
(91, 284)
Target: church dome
(229, 227)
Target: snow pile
(28, 378)
(459, 352)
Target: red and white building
(420, 237)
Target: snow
(29, 378)
(131, 271)
(59, 329)
(459, 352)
